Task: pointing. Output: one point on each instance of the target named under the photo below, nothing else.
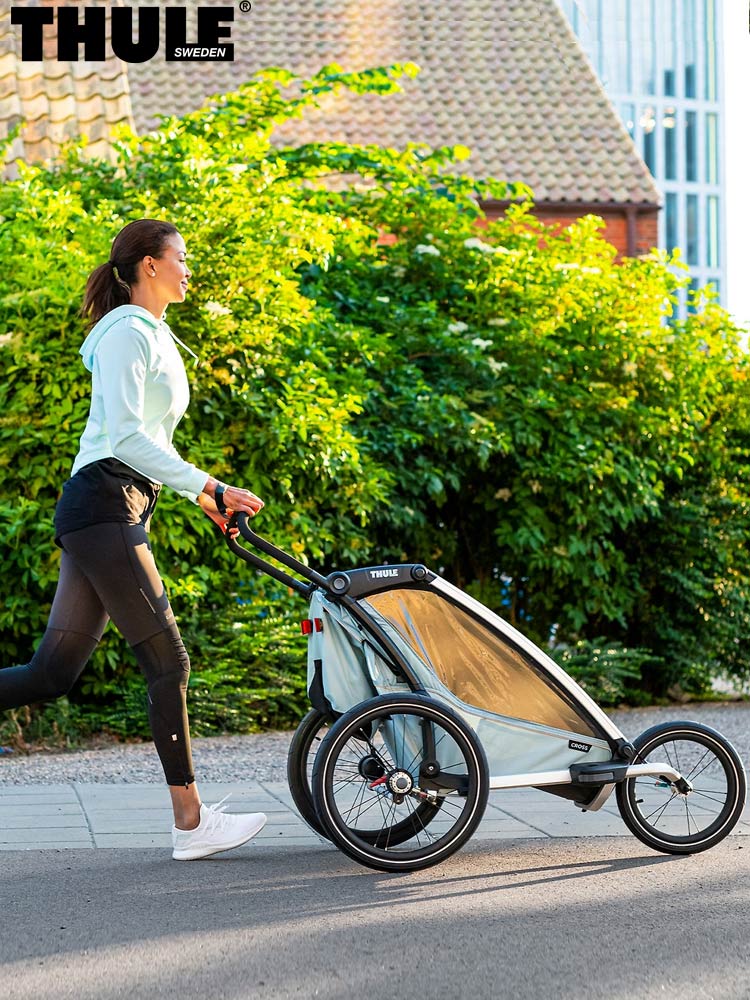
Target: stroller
(424, 700)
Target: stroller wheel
(299, 765)
(431, 793)
(696, 814)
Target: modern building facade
(659, 61)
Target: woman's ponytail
(105, 290)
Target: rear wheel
(687, 817)
(303, 749)
(400, 782)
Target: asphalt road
(519, 919)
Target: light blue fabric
(354, 670)
(339, 648)
(139, 393)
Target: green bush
(397, 379)
(608, 671)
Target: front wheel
(400, 782)
(694, 816)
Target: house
(507, 78)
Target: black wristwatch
(219, 499)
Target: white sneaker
(217, 831)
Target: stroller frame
(589, 784)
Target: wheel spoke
(690, 777)
(687, 816)
(711, 796)
(660, 809)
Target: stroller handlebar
(314, 579)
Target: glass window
(669, 50)
(622, 75)
(691, 146)
(671, 221)
(669, 121)
(710, 34)
(644, 45)
(690, 47)
(691, 225)
(712, 148)
(479, 666)
(712, 231)
(648, 124)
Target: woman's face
(172, 272)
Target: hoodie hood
(90, 344)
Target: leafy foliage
(399, 379)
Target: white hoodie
(139, 393)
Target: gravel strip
(262, 757)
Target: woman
(139, 392)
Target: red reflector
(318, 624)
(307, 626)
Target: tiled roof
(59, 100)
(507, 78)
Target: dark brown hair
(109, 284)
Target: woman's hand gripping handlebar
(228, 501)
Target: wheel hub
(400, 782)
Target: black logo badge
(89, 31)
(582, 747)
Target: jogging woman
(139, 393)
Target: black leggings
(108, 571)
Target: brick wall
(615, 220)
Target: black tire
(665, 818)
(303, 750)
(299, 765)
(390, 732)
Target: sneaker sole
(195, 855)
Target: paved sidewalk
(85, 816)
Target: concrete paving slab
(526, 834)
(39, 808)
(45, 835)
(65, 791)
(54, 798)
(70, 821)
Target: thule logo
(582, 747)
(379, 574)
(86, 27)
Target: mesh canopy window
(477, 665)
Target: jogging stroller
(424, 700)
